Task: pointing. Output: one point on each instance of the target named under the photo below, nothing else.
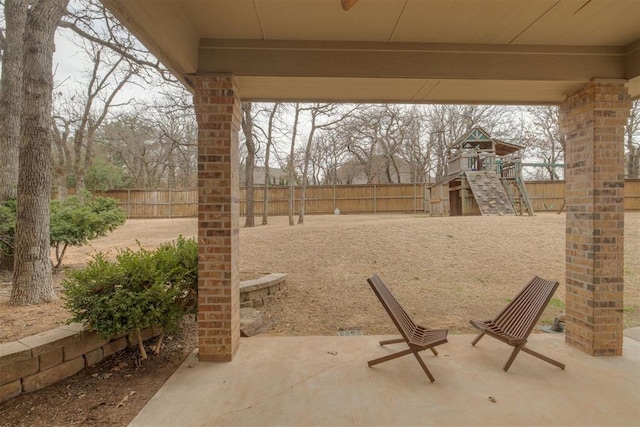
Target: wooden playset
(484, 177)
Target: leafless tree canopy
(152, 148)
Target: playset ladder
(490, 195)
(517, 193)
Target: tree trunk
(247, 128)
(267, 155)
(633, 149)
(32, 280)
(11, 95)
(305, 172)
(291, 165)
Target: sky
(67, 61)
(70, 64)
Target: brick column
(593, 120)
(218, 113)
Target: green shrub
(7, 227)
(140, 289)
(7, 234)
(73, 222)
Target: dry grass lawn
(445, 271)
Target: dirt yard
(445, 271)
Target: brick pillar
(218, 113)
(593, 120)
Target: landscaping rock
(251, 322)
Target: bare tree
(632, 141)
(250, 163)
(316, 111)
(374, 135)
(174, 119)
(11, 99)
(415, 150)
(291, 161)
(136, 144)
(329, 153)
(545, 140)
(32, 280)
(11, 95)
(81, 114)
(156, 146)
(360, 134)
(269, 134)
(91, 20)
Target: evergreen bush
(140, 289)
(73, 222)
(76, 220)
(7, 233)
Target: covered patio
(583, 55)
(328, 383)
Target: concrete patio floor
(325, 381)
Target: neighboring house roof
(259, 173)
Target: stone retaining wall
(258, 292)
(35, 362)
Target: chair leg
(399, 340)
(393, 341)
(424, 367)
(389, 357)
(478, 338)
(543, 357)
(514, 353)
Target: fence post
(426, 199)
(170, 203)
(129, 203)
(334, 198)
(375, 199)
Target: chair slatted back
(520, 316)
(400, 317)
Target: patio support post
(218, 112)
(593, 120)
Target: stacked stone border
(37, 361)
(257, 292)
(40, 360)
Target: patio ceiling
(449, 51)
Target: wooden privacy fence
(349, 199)
(345, 198)
(167, 203)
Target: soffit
(579, 31)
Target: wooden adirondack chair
(516, 321)
(418, 338)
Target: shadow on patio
(301, 381)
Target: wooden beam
(411, 60)
(632, 60)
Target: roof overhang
(418, 51)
